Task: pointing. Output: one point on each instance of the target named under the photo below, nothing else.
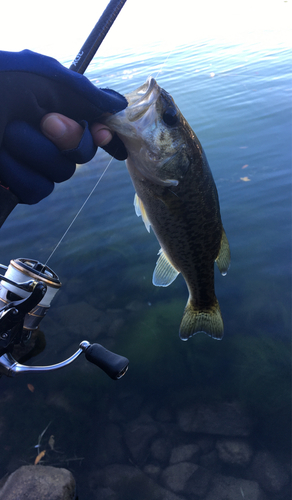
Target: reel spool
(18, 287)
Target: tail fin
(208, 321)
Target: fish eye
(170, 116)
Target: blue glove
(32, 85)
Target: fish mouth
(134, 125)
(140, 100)
(142, 110)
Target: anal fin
(164, 272)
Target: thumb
(61, 130)
(66, 133)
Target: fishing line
(78, 213)
(81, 63)
(163, 64)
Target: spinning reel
(26, 291)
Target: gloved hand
(32, 85)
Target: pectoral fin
(223, 259)
(164, 272)
(140, 211)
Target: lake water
(237, 98)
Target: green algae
(253, 369)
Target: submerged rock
(105, 494)
(199, 483)
(35, 482)
(269, 472)
(211, 461)
(234, 451)
(206, 444)
(163, 415)
(175, 477)
(109, 446)
(227, 419)
(152, 471)
(185, 453)
(160, 449)
(130, 483)
(138, 435)
(230, 488)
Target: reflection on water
(222, 408)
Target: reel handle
(114, 365)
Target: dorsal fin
(164, 272)
(140, 211)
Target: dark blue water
(238, 101)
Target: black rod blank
(96, 37)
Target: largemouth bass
(177, 196)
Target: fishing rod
(96, 37)
(28, 286)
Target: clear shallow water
(238, 101)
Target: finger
(101, 134)
(61, 130)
